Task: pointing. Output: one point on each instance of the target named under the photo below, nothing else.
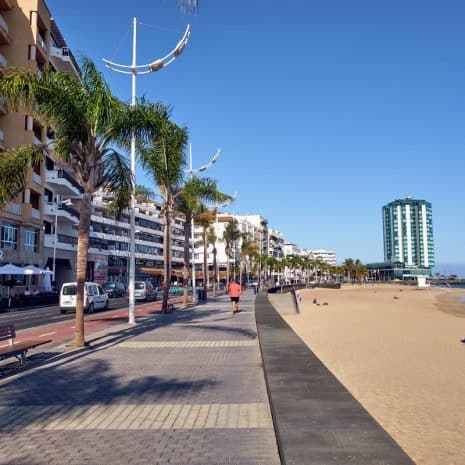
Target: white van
(95, 297)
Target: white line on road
(47, 334)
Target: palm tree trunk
(85, 213)
(186, 266)
(205, 259)
(215, 273)
(166, 259)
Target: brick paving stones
(185, 388)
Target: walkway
(185, 388)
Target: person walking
(234, 294)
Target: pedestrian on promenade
(234, 294)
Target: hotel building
(408, 233)
(29, 38)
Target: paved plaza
(183, 388)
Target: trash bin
(201, 295)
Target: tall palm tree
(88, 121)
(230, 235)
(192, 195)
(205, 218)
(163, 158)
(249, 252)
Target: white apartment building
(108, 257)
(253, 227)
(326, 256)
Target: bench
(17, 349)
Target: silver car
(144, 290)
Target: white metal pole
(132, 214)
(192, 230)
(55, 239)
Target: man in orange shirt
(234, 294)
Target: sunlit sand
(398, 351)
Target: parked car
(95, 298)
(114, 289)
(144, 290)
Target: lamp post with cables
(191, 172)
(134, 70)
(217, 206)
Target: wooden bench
(17, 349)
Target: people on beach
(234, 293)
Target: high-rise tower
(408, 233)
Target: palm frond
(14, 164)
(188, 6)
(164, 158)
(144, 119)
(117, 179)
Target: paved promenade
(185, 388)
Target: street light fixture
(135, 70)
(191, 172)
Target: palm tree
(193, 194)
(230, 235)
(348, 266)
(249, 251)
(88, 121)
(163, 158)
(204, 218)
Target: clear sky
(324, 110)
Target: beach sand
(400, 357)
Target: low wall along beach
(397, 350)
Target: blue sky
(324, 110)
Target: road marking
(47, 334)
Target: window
(9, 236)
(31, 239)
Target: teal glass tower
(408, 233)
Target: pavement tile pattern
(185, 388)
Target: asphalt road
(30, 318)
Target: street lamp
(217, 207)
(135, 70)
(191, 172)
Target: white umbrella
(32, 269)
(11, 269)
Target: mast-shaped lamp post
(191, 172)
(217, 207)
(134, 70)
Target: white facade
(290, 249)
(326, 256)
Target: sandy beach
(398, 351)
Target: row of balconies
(70, 243)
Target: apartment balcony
(37, 178)
(4, 36)
(13, 208)
(63, 183)
(63, 211)
(41, 43)
(64, 242)
(35, 214)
